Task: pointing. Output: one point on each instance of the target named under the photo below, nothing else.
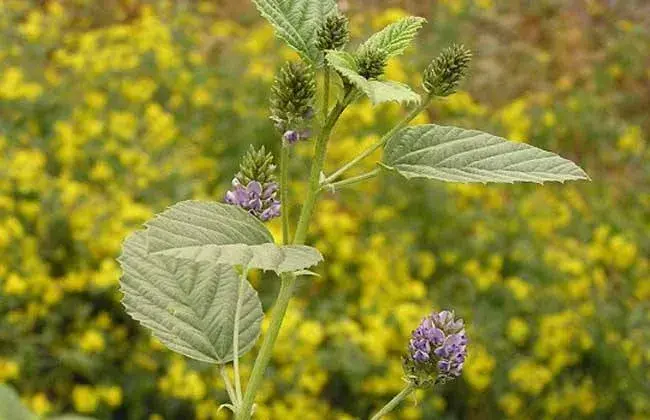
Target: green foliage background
(109, 114)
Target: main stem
(317, 168)
(288, 284)
(284, 192)
(264, 357)
(235, 340)
(369, 151)
(394, 402)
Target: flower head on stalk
(292, 98)
(254, 187)
(437, 350)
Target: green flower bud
(256, 165)
(372, 62)
(292, 96)
(442, 76)
(334, 34)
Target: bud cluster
(292, 98)
(371, 62)
(254, 187)
(437, 350)
(334, 34)
(442, 76)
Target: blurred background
(112, 110)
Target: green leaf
(379, 91)
(395, 38)
(189, 306)
(71, 417)
(223, 234)
(454, 154)
(297, 22)
(11, 408)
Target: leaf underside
(11, 408)
(223, 234)
(188, 305)
(379, 91)
(297, 22)
(454, 154)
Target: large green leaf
(379, 91)
(223, 234)
(457, 155)
(297, 22)
(11, 408)
(396, 37)
(190, 306)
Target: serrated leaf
(395, 38)
(379, 91)
(11, 408)
(454, 154)
(223, 234)
(189, 306)
(281, 259)
(306, 273)
(297, 22)
(214, 223)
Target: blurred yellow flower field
(108, 116)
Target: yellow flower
(92, 341)
(519, 288)
(511, 404)
(518, 330)
(631, 141)
(9, 369)
(311, 333)
(530, 377)
(85, 399)
(478, 368)
(111, 395)
(15, 285)
(40, 404)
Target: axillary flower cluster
(254, 187)
(437, 350)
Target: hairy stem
(350, 181)
(326, 93)
(394, 402)
(235, 338)
(264, 356)
(284, 193)
(369, 151)
(317, 168)
(229, 389)
(288, 284)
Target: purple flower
(259, 200)
(437, 348)
(291, 136)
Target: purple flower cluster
(259, 200)
(293, 136)
(440, 345)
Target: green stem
(317, 168)
(350, 181)
(264, 356)
(288, 284)
(229, 389)
(235, 338)
(369, 151)
(326, 94)
(394, 402)
(284, 193)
